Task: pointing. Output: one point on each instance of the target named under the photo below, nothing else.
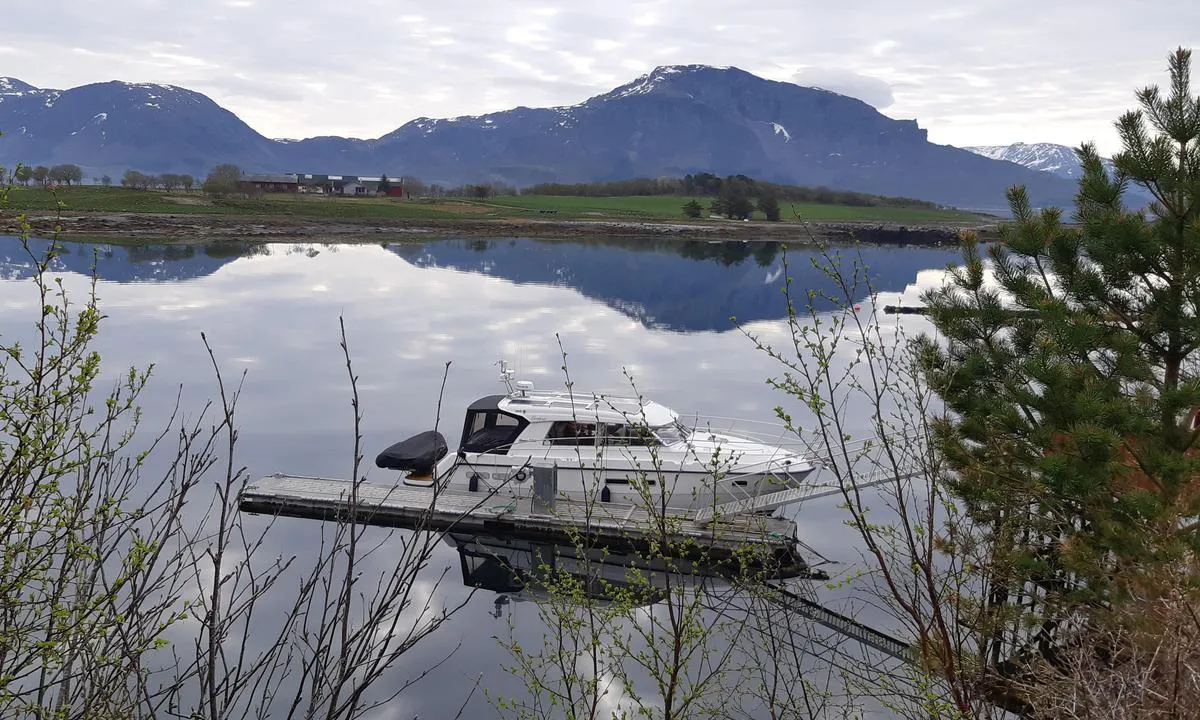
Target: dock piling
(545, 489)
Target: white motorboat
(621, 450)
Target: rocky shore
(191, 228)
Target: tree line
(709, 185)
(138, 180)
(225, 179)
(69, 174)
(66, 174)
(736, 198)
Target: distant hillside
(110, 127)
(674, 121)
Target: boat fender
(519, 476)
(473, 482)
(605, 494)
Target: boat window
(491, 432)
(569, 432)
(671, 433)
(628, 435)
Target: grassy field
(670, 207)
(119, 200)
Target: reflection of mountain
(682, 286)
(123, 264)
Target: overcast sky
(979, 72)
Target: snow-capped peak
(156, 96)
(651, 80)
(1047, 157)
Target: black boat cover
(418, 454)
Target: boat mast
(506, 376)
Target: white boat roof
(537, 406)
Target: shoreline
(140, 228)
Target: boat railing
(852, 451)
(579, 396)
(775, 434)
(862, 462)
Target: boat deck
(614, 526)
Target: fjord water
(657, 312)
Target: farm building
(352, 185)
(273, 183)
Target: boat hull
(656, 486)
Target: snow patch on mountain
(643, 85)
(13, 86)
(781, 130)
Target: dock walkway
(623, 527)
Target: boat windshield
(671, 433)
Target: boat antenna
(506, 375)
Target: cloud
(242, 86)
(872, 91)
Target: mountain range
(671, 121)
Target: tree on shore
(692, 209)
(133, 587)
(1071, 372)
(23, 174)
(225, 179)
(736, 196)
(1038, 538)
(106, 181)
(41, 174)
(769, 206)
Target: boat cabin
(494, 424)
(488, 429)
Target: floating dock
(621, 528)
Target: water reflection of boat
(621, 450)
(520, 569)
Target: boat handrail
(589, 400)
(769, 433)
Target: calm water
(658, 311)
